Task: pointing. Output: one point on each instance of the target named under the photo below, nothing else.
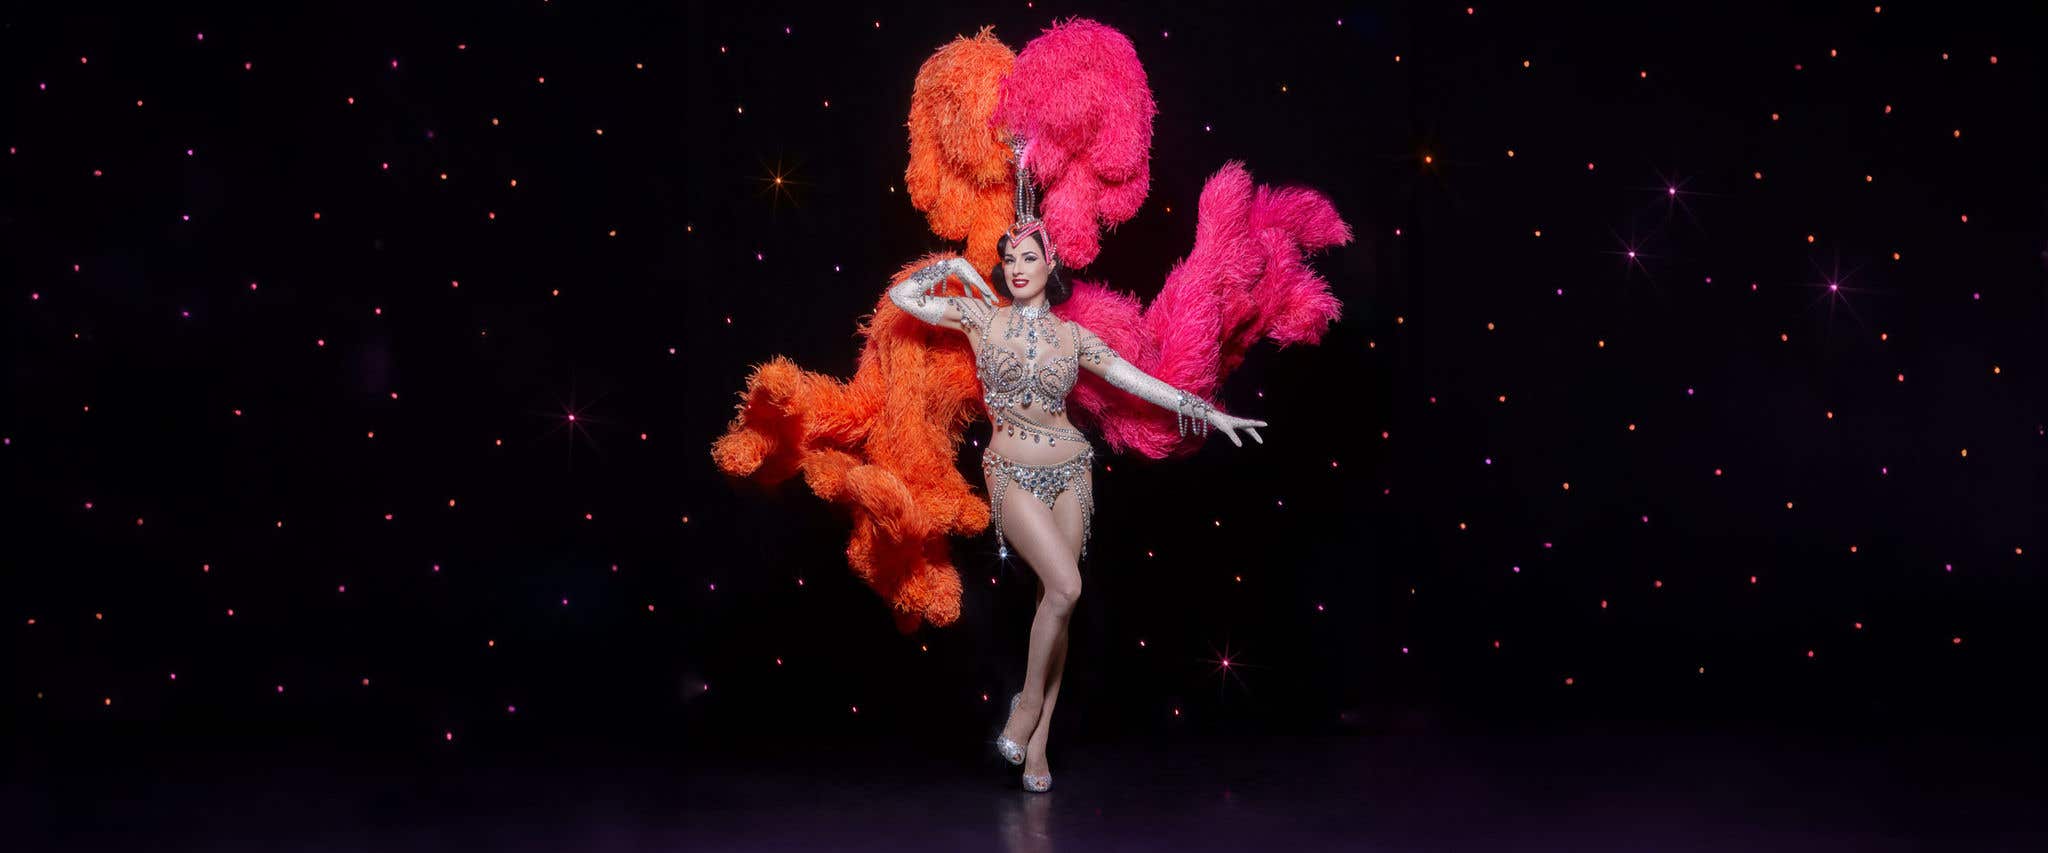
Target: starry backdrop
(363, 362)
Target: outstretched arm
(953, 312)
(1100, 359)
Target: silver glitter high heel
(1011, 750)
(1039, 784)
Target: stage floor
(1393, 793)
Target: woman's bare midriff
(1021, 449)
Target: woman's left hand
(1229, 423)
(975, 282)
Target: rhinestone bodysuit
(1010, 383)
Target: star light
(1631, 254)
(778, 182)
(1832, 288)
(1671, 190)
(571, 418)
(1227, 667)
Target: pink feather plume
(1246, 280)
(1079, 95)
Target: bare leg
(1034, 749)
(1054, 669)
(1032, 531)
(1067, 513)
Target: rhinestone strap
(1010, 421)
(1190, 410)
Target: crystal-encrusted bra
(1007, 380)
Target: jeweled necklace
(1034, 318)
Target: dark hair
(1056, 288)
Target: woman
(1028, 359)
(882, 444)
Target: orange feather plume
(880, 446)
(959, 172)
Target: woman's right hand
(967, 272)
(1230, 424)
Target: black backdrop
(1871, 455)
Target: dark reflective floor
(1580, 793)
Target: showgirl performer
(1073, 111)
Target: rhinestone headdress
(1028, 223)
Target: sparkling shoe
(1038, 783)
(1011, 750)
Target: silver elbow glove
(913, 294)
(1190, 410)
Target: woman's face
(1025, 269)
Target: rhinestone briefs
(1044, 481)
